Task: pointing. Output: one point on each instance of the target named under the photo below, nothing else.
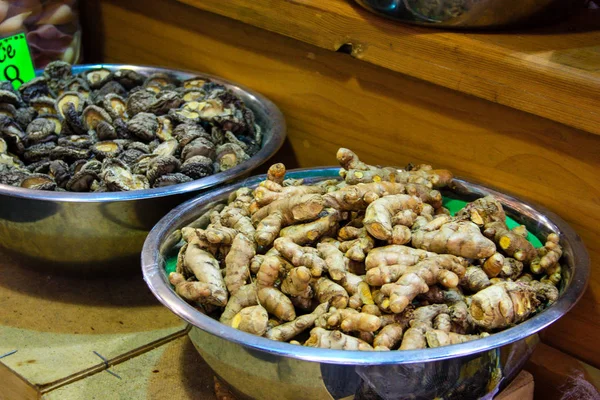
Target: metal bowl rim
(268, 149)
(156, 280)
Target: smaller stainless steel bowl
(265, 369)
(467, 14)
(104, 232)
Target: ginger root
(289, 330)
(337, 264)
(446, 270)
(325, 339)
(237, 262)
(437, 338)
(393, 255)
(475, 279)
(300, 256)
(378, 216)
(278, 214)
(460, 238)
(548, 256)
(355, 171)
(421, 322)
(508, 303)
(349, 320)
(311, 231)
(355, 197)
(371, 262)
(246, 296)
(210, 287)
(276, 303)
(328, 291)
(251, 319)
(388, 337)
(512, 242)
(492, 266)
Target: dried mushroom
(39, 182)
(167, 148)
(33, 89)
(98, 77)
(11, 175)
(143, 126)
(82, 181)
(197, 167)
(9, 97)
(106, 149)
(8, 110)
(160, 166)
(171, 179)
(129, 78)
(93, 115)
(115, 130)
(75, 98)
(40, 130)
(115, 106)
(140, 101)
(118, 177)
(43, 105)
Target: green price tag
(15, 60)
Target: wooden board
(552, 72)
(56, 323)
(521, 388)
(557, 373)
(331, 100)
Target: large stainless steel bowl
(472, 13)
(105, 231)
(264, 369)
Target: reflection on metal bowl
(472, 13)
(260, 368)
(95, 232)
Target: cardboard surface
(172, 371)
(56, 322)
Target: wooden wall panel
(332, 100)
(548, 71)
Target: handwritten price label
(15, 60)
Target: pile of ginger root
(373, 261)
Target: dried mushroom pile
(115, 131)
(371, 262)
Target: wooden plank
(57, 322)
(556, 373)
(331, 100)
(521, 388)
(14, 387)
(552, 72)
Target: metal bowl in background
(472, 13)
(260, 368)
(104, 232)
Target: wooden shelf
(552, 72)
